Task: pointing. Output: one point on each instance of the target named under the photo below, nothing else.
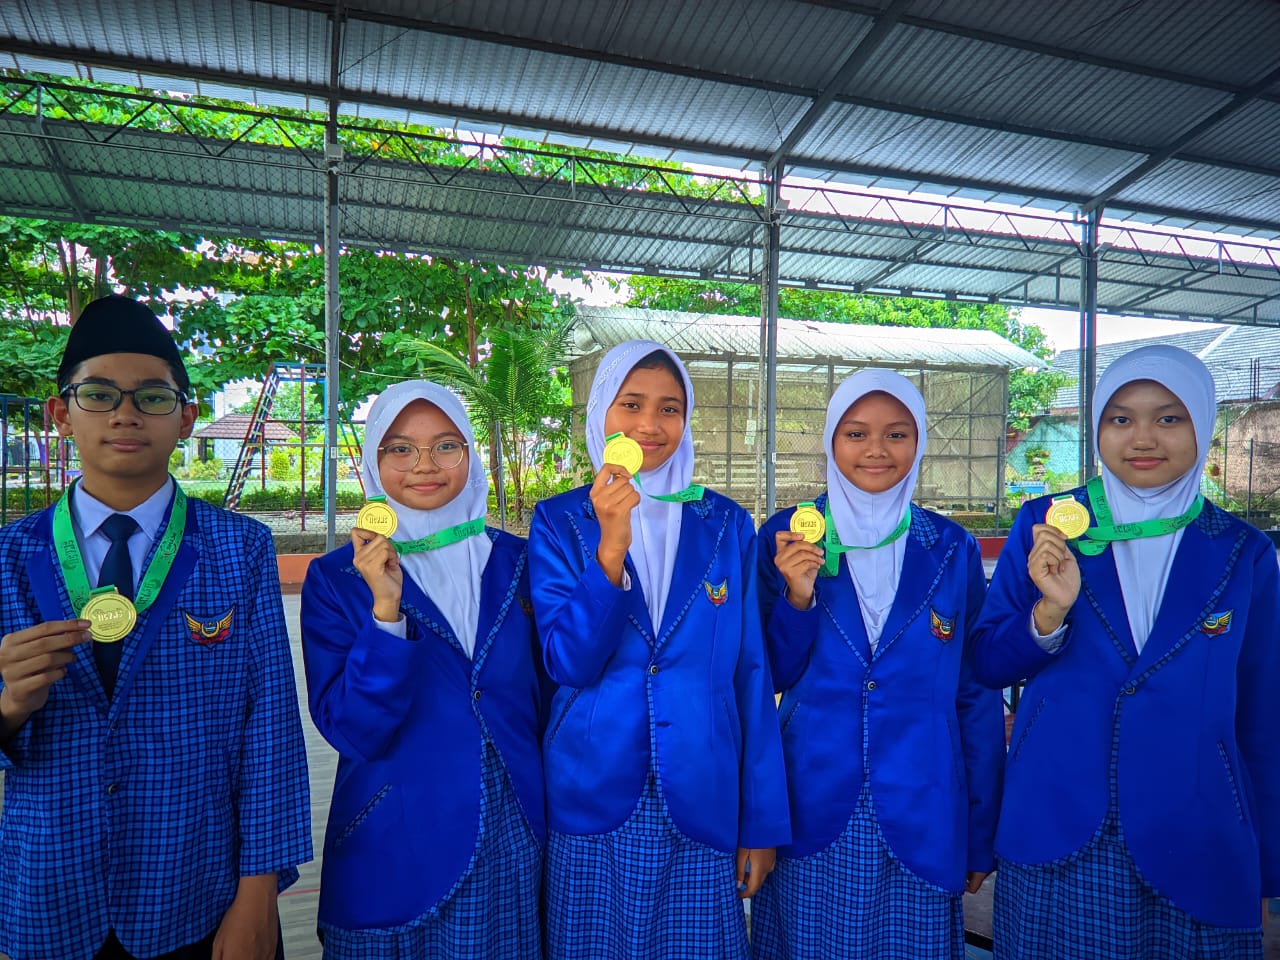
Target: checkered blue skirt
(642, 892)
(854, 899)
(492, 911)
(1094, 905)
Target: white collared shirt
(89, 513)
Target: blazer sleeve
(764, 819)
(789, 633)
(579, 613)
(980, 712)
(1258, 711)
(274, 800)
(361, 679)
(1004, 651)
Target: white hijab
(655, 524)
(1143, 565)
(865, 518)
(450, 575)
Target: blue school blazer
(411, 719)
(911, 720)
(692, 700)
(141, 813)
(1185, 737)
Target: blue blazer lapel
(922, 567)
(1100, 586)
(424, 610)
(1190, 597)
(154, 617)
(701, 530)
(589, 535)
(499, 579)
(839, 601)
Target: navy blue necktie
(117, 571)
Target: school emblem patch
(1216, 625)
(717, 593)
(208, 633)
(944, 628)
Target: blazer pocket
(353, 825)
(790, 715)
(1026, 731)
(568, 705)
(1231, 780)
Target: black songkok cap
(118, 324)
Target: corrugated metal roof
(1054, 103)
(89, 172)
(1244, 361)
(702, 335)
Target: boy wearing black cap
(155, 776)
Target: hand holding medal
(1052, 565)
(799, 555)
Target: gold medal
(622, 451)
(809, 523)
(1068, 515)
(112, 616)
(378, 517)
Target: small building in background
(963, 374)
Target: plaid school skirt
(492, 911)
(854, 899)
(1094, 905)
(642, 892)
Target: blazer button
(653, 669)
(1130, 688)
(476, 695)
(871, 684)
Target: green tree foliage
(1029, 391)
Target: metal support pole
(1248, 509)
(1088, 339)
(769, 349)
(332, 304)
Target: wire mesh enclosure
(963, 375)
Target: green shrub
(281, 465)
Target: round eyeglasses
(105, 397)
(446, 454)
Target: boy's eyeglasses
(446, 454)
(105, 397)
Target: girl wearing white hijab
(664, 767)
(893, 751)
(1141, 812)
(422, 672)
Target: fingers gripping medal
(378, 516)
(1068, 515)
(622, 451)
(808, 522)
(111, 615)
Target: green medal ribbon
(72, 562)
(689, 494)
(1094, 540)
(441, 538)
(831, 541)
